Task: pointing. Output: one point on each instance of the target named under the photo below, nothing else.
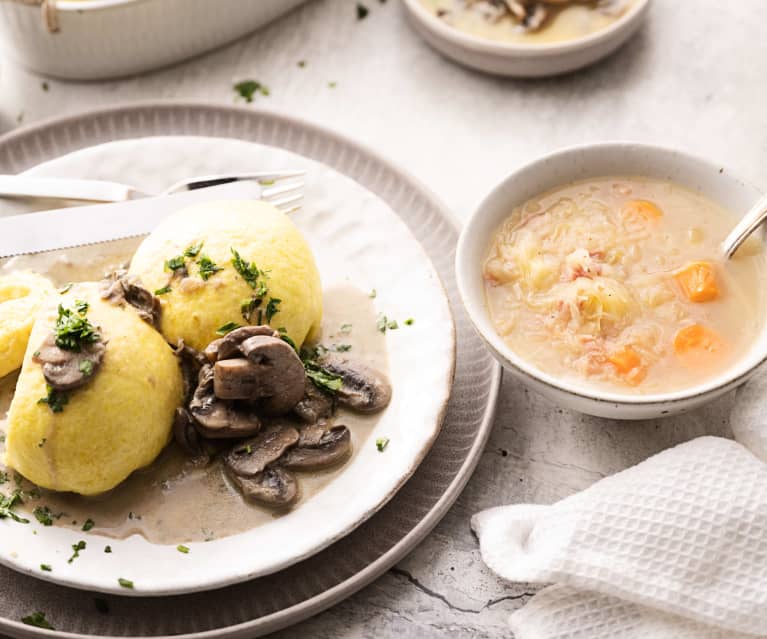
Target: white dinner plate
(356, 239)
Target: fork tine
(282, 189)
(287, 201)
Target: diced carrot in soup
(645, 208)
(698, 346)
(628, 364)
(698, 282)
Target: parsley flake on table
(183, 549)
(38, 620)
(80, 545)
(125, 583)
(227, 328)
(382, 443)
(409, 321)
(107, 549)
(46, 568)
(247, 89)
(384, 323)
(88, 525)
(362, 11)
(373, 294)
(301, 64)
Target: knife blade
(80, 225)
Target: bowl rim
(485, 45)
(737, 374)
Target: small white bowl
(523, 60)
(109, 38)
(578, 163)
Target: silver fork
(283, 189)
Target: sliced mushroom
(191, 361)
(186, 435)
(216, 418)
(66, 370)
(118, 288)
(229, 346)
(211, 350)
(274, 376)
(334, 446)
(274, 487)
(250, 457)
(364, 389)
(315, 405)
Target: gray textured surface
(692, 78)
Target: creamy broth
(591, 281)
(172, 500)
(491, 20)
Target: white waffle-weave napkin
(675, 547)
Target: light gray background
(692, 78)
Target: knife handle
(23, 186)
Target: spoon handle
(747, 225)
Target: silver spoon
(744, 228)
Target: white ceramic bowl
(523, 60)
(577, 163)
(108, 38)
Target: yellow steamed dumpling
(116, 423)
(21, 294)
(195, 308)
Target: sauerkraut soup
(618, 281)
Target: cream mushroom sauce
(176, 499)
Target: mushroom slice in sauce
(334, 446)
(229, 346)
(315, 405)
(66, 370)
(364, 389)
(186, 435)
(191, 361)
(251, 457)
(275, 486)
(118, 288)
(216, 418)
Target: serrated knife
(79, 225)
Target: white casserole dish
(99, 39)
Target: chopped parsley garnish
(44, 86)
(162, 291)
(38, 620)
(227, 328)
(102, 605)
(409, 321)
(175, 263)
(323, 378)
(183, 549)
(65, 289)
(88, 525)
(384, 323)
(301, 64)
(332, 85)
(345, 329)
(107, 549)
(373, 294)
(46, 568)
(56, 400)
(8, 503)
(193, 250)
(86, 367)
(80, 545)
(248, 271)
(382, 443)
(125, 583)
(362, 11)
(341, 348)
(272, 308)
(248, 88)
(208, 267)
(248, 307)
(72, 329)
(286, 338)
(44, 515)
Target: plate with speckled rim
(319, 580)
